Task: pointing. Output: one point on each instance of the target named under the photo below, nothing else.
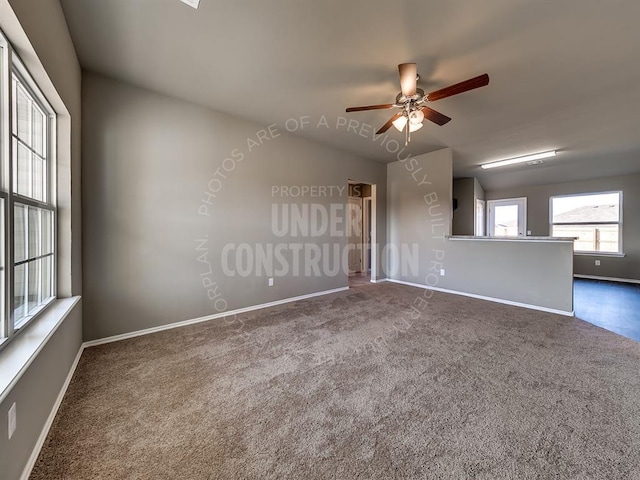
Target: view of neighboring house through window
(594, 218)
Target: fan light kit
(412, 101)
(401, 122)
(530, 159)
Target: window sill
(16, 357)
(600, 254)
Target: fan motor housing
(401, 99)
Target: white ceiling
(565, 74)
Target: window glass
(47, 232)
(19, 233)
(22, 170)
(30, 144)
(33, 260)
(39, 135)
(19, 292)
(31, 277)
(593, 219)
(22, 111)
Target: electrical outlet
(597, 263)
(271, 282)
(12, 421)
(442, 272)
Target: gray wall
(47, 44)
(478, 191)
(36, 392)
(532, 273)
(464, 214)
(149, 161)
(627, 267)
(418, 214)
(478, 194)
(466, 191)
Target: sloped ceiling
(565, 74)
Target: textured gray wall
(418, 214)
(538, 221)
(149, 159)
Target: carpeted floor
(356, 385)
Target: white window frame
(620, 252)
(10, 66)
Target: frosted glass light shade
(416, 117)
(401, 122)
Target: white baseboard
(490, 299)
(379, 280)
(52, 415)
(183, 323)
(608, 279)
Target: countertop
(529, 238)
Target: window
(27, 203)
(595, 219)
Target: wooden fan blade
(370, 107)
(387, 125)
(434, 116)
(476, 82)
(408, 78)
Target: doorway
(507, 217)
(355, 234)
(361, 241)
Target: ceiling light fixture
(191, 3)
(416, 117)
(401, 122)
(513, 161)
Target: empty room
(319, 240)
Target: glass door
(507, 218)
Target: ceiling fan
(412, 101)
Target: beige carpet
(356, 385)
